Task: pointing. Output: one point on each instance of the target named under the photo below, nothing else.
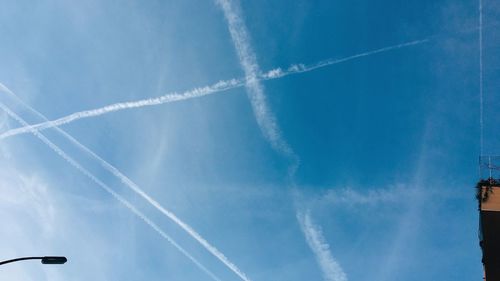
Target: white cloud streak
(171, 97)
(301, 68)
(134, 187)
(101, 184)
(314, 238)
(241, 40)
(371, 197)
(218, 87)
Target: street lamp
(44, 260)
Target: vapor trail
(314, 238)
(133, 186)
(481, 125)
(255, 90)
(300, 68)
(218, 87)
(171, 97)
(122, 200)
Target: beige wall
(493, 202)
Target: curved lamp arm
(44, 260)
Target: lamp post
(44, 260)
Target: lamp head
(54, 260)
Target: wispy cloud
(101, 184)
(218, 87)
(32, 191)
(27, 206)
(369, 197)
(332, 271)
(133, 186)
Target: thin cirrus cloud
(255, 90)
(133, 186)
(253, 75)
(101, 184)
(331, 269)
(221, 86)
(349, 196)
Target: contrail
(133, 186)
(171, 97)
(264, 116)
(241, 40)
(481, 109)
(218, 87)
(300, 68)
(122, 200)
(314, 237)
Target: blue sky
(385, 144)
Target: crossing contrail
(133, 186)
(269, 127)
(122, 200)
(241, 40)
(218, 87)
